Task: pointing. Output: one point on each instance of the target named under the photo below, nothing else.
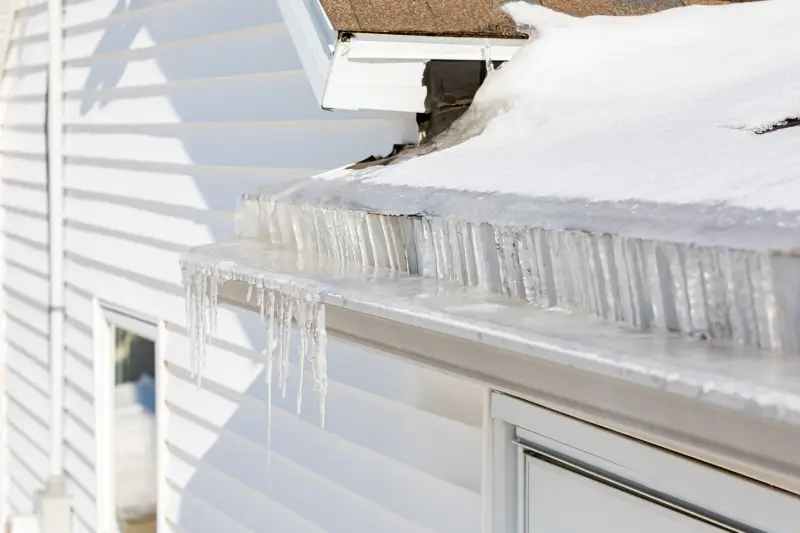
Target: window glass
(135, 432)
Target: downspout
(55, 192)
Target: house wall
(172, 108)
(23, 196)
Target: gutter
(385, 72)
(724, 405)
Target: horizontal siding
(172, 108)
(25, 269)
(375, 447)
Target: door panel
(560, 501)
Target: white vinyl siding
(23, 196)
(172, 108)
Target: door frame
(108, 317)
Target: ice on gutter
(296, 259)
(737, 384)
(737, 280)
(734, 377)
(651, 207)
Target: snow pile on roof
(662, 108)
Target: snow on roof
(662, 108)
(621, 167)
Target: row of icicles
(279, 311)
(647, 284)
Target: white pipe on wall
(55, 191)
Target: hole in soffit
(451, 87)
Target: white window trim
(718, 491)
(106, 317)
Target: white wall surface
(23, 197)
(173, 108)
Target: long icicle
(320, 360)
(286, 337)
(270, 351)
(303, 321)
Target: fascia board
(374, 84)
(425, 48)
(314, 39)
(384, 72)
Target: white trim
(313, 37)
(162, 421)
(373, 84)
(713, 489)
(107, 317)
(425, 48)
(384, 72)
(504, 487)
(487, 463)
(135, 324)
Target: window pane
(560, 501)
(135, 432)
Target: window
(557, 474)
(128, 429)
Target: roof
(614, 127)
(579, 112)
(470, 18)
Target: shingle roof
(471, 18)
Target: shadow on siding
(400, 452)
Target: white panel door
(560, 501)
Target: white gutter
(384, 72)
(55, 193)
(731, 407)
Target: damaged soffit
(471, 18)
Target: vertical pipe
(55, 191)
(487, 465)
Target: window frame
(107, 318)
(520, 427)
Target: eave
(732, 407)
(383, 72)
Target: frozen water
(592, 128)
(653, 284)
(742, 378)
(280, 305)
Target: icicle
(487, 56)
(269, 310)
(285, 332)
(320, 339)
(303, 326)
